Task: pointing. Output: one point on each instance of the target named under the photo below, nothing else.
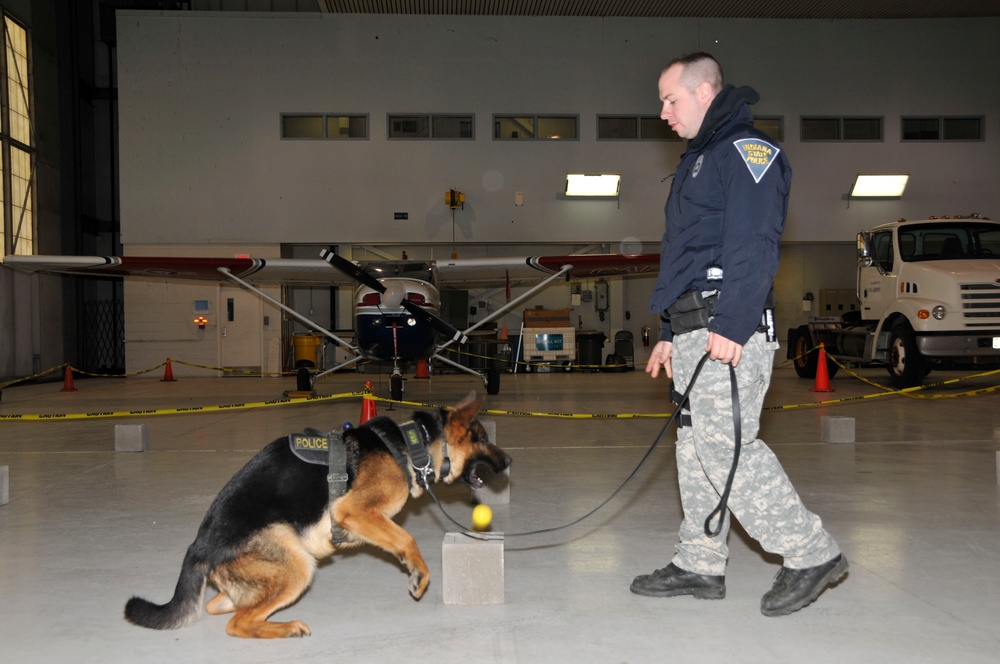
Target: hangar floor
(914, 504)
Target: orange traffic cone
(822, 375)
(168, 374)
(68, 385)
(367, 403)
(422, 371)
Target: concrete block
(472, 568)
(131, 437)
(4, 485)
(837, 429)
(496, 490)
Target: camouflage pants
(763, 499)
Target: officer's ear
(704, 93)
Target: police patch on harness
(758, 155)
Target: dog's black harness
(325, 449)
(329, 449)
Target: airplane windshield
(411, 269)
(951, 241)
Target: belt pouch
(692, 311)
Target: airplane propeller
(391, 293)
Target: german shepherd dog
(262, 536)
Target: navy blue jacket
(726, 208)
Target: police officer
(724, 219)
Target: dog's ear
(467, 409)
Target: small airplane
(397, 303)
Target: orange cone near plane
(367, 403)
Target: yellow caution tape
(366, 393)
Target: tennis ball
(481, 517)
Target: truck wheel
(906, 366)
(806, 362)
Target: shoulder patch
(758, 155)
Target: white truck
(929, 294)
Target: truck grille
(981, 304)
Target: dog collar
(416, 447)
(416, 438)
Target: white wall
(201, 95)
(202, 162)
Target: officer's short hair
(699, 67)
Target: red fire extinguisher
(645, 335)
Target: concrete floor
(913, 503)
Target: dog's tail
(183, 609)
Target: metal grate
(822, 9)
(104, 347)
(981, 304)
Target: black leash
(723, 502)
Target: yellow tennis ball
(481, 517)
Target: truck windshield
(949, 241)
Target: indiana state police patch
(758, 155)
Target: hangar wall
(201, 96)
(202, 162)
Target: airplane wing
(494, 271)
(252, 270)
(466, 272)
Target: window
(531, 127)
(323, 126)
(943, 128)
(17, 232)
(633, 128)
(841, 129)
(772, 126)
(427, 125)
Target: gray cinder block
(4, 485)
(131, 437)
(472, 568)
(837, 429)
(496, 490)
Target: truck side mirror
(864, 250)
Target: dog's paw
(297, 628)
(418, 584)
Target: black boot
(794, 589)
(672, 580)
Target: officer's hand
(722, 349)
(660, 356)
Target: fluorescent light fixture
(593, 184)
(879, 186)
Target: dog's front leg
(384, 533)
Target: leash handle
(723, 505)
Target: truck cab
(929, 294)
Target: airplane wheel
(303, 381)
(396, 387)
(493, 379)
